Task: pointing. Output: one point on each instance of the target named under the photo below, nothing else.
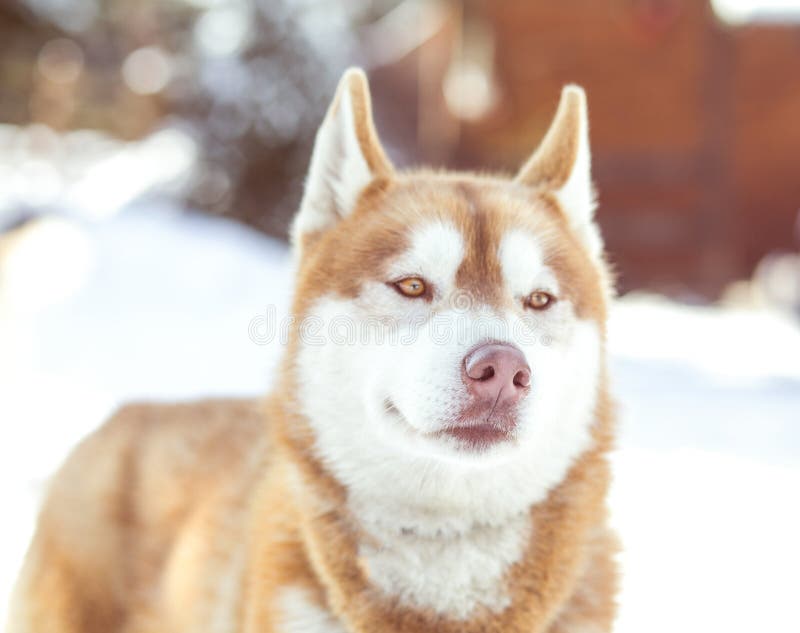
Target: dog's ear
(347, 157)
(562, 164)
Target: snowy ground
(155, 303)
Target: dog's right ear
(562, 164)
(347, 157)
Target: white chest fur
(450, 573)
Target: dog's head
(448, 325)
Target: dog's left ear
(347, 157)
(562, 164)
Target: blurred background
(693, 106)
(152, 153)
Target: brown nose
(497, 372)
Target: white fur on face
(435, 253)
(427, 503)
(301, 615)
(522, 261)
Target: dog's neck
(422, 553)
(512, 575)
(443, 564)
(450, 564)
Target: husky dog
(433, 456)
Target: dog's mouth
(478, 437)
(472, 433)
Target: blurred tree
(22, 35)
(247, 79)
(254, 96)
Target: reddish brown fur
(482, 208)
(133, 529)
(138, 520)
(371, 148)
(551, 164)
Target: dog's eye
(411, 287)
(539, 300)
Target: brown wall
(695, 126)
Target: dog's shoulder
(152, 464)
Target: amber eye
(411, 287)
(539, 300)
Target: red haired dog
(433, 457)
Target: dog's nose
(497, 372)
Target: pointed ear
(562, 164)
(347, 157)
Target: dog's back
(144, 518)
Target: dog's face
(448, 323)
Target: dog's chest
(451, 574)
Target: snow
(158, 303)
(744, 11)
